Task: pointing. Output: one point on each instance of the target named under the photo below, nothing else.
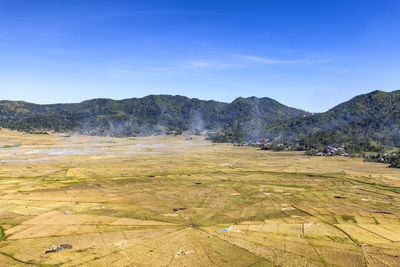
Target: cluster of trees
(352, 144)
(284, 147)
(273, 147)
(395, 163)
(391, 158)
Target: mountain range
(371, 119)
(144, 116)
(368, 119)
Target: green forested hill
(372, 116)
(367, 134)
(366, 121)
(147, 115)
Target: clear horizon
(310, 55)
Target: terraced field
(182, 201)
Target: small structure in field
(230, 229)
(340, 197)
(183, 253)
(178, 209)
(58, 248)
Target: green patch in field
(348, 218)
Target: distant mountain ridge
(364, 121)
(143, 116)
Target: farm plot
(177, 201)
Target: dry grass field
(182, 201)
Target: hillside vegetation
(153, 114)
(367, 122)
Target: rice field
(183, 201)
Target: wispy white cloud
(189, 66)
(133, 72)
(207, 64)
(271, 61)
(336, 70)
(240, 61)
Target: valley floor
(182, 201)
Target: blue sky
(306, 54)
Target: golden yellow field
(182, 201)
